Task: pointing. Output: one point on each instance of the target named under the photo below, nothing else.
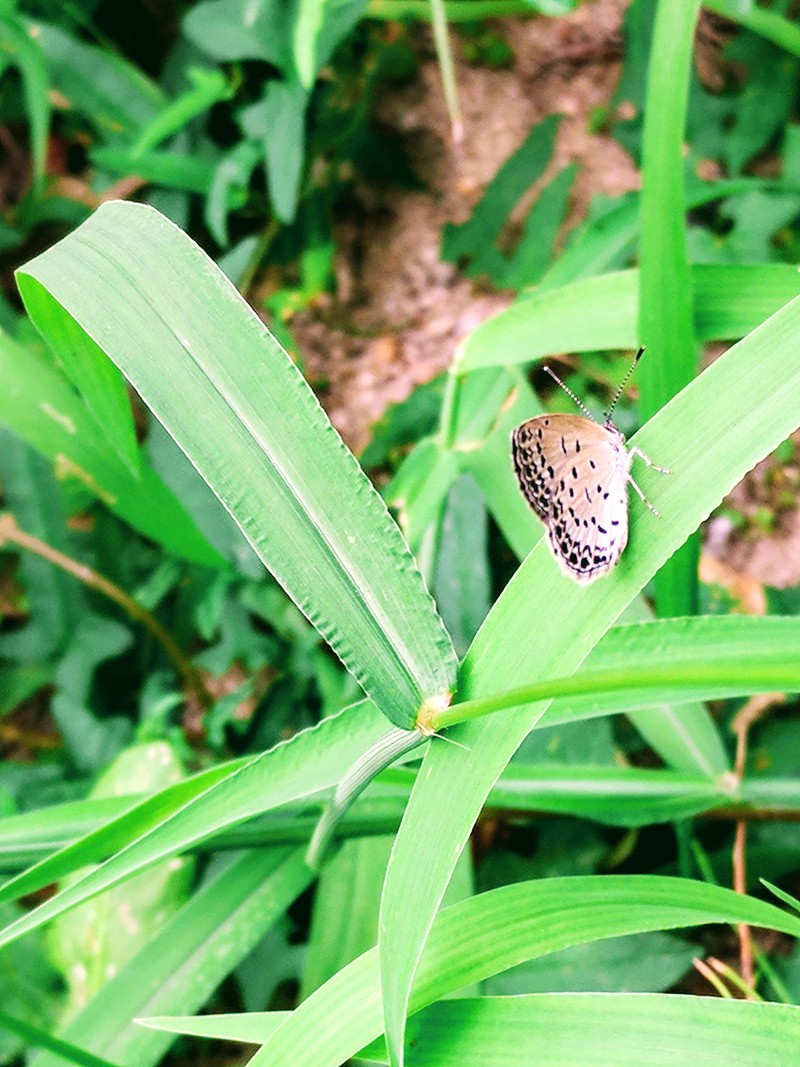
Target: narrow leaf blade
(239, 408)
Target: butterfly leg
(644, 498)
(634, 451)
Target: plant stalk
(10, 533)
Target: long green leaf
(565, 1029)
(741, 408)
(599, 313)
(137, 817)
(100, 384)
(494, 931)
(239, 408)
(765, 21)
(605, 1030)
(35, 1037)
(309, 762)
(665, 289)
(697, 655)
(618, 796)
(95, 832)
(22, 48)
(41, 407)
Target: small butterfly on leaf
(574, 473)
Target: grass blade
(306, 764)
(605, 1030)
(665, 290)
(491, 932)
(597, 313)
(239, 408)
(741, 408)
(195, 950)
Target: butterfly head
(608, 424)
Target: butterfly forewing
(574, 472)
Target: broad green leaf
(232, 30)
(732, 415)
(604, 1030)
(600, 312)
(39, 405)
(491, 932)
(180, 969)
(263, 444)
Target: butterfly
(574, 473)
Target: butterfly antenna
(569, 392)
(622, 384)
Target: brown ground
(401, 312)
(406, 310)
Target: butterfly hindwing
(574, 472)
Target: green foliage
(477, 239)
(202, 576)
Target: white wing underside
(574, 474)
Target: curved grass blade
(596, 313)
(489, 933)
(706, 657)
(311, 761)
(605, 1030)
(239, 408)
(39, 405)
(711, 434)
